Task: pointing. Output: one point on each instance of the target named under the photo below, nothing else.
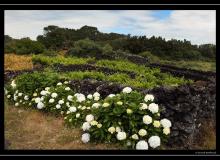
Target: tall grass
(17, 62)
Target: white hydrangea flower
(20, 94)
(29, 104)
(86, 126)
(95, 105)
(143, 106)
(105, 104)
(40, 105)
(142, 132)
(51, 100)
(34, 94)
(6, 91)
(20, 101)
(54, 95)
(147, 119)
(89, 96)
(148, 97)
(142, 145)
(70, 98)
(166, 131)
(67, 89)
(135, 136)
(153, 108)
(129, 111)
(13, 84)
(42, 98)
(16, 104)
(68, 104)
(8, 96)
(88, 108)
(111, 95)
(96, 94)
(62, 112)
(96, 98)
(80, 97)
(154, 141)
(47, 88)
(156, 124)
(89, 118)
(79, 107)
(72, 109)
(121, 136)
(86, 137)
(111, 130)
(61, 102)
(58, 106)
(59, 84)
(166, 123)
(77, 115)
(83, 108)
(99, 125)
(127, 90)
(68, 112)
(118, 129)
(15, 98)
(119, 103)
(94, 123)
(43, 93)
(26, 98)
(66, 82)
(37, 100)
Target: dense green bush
(84, 48)
(107, 49)
(29, 82)
(23, 46)
(49, 53)
(150, 56)
(27, 46)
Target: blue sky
(198, 26)
(161, 14)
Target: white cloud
(197, 26)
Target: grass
(17, 62)
(197, 65)
(146, 77)
(31, 129)
(59, 59)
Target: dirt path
(30, 129)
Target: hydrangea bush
(129, 118)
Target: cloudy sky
(198, 26)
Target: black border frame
(104, 152)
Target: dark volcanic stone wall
(187, 107)
(187, 73)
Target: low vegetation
(17, 62)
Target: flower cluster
(128, 118)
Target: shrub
(85, 48)
(127, 118)
(29, 82)
(150, 56)
(107, 49)
(49, 53)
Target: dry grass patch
(17, 62)
(31, 129)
